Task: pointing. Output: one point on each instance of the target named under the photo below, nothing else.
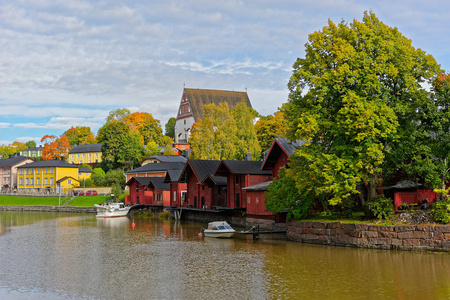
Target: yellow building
(84, 173)
(47, 177)
(85, 154)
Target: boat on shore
(112, 209)
(219, 229)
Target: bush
(381, 207)
(442, 211)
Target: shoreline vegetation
(79, 201)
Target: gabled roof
(197, 98)
(173, 175)
(216, 180)
(38, 148)
(158, 183)
(86, 148)
(158, 167)
(141, 180)
(66, 178)
(168, 158)
(10, 162)
(84, 170)
(241, 167)
(49, 163)
(279, 146)
(200, 168)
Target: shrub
(165, 215)
(442, 211)
(381, 207)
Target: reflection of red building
(204, 190)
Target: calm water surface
(62, 256)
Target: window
(31, 170)
(46, 170)
(69, 181)
(71, 155)
(21, 172)
(38, 181)
(96, 154)
(21, 181)
(248, 200)
(78, 155)
(51, 180)
(89, 154)
(26, 181)
(51, 170)
(38, 170)
(89, 161)
(257, 200)
(46, 180)
(82, 155)
(31, 181)
(27, 170)
(80, 162)
(237, 179)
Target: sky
(69, 63)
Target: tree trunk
(367, 192)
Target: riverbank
(69, 209)
(361, 235)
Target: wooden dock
(256, 232)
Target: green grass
(51, 201)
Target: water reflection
(55, 256)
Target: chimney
(248, 157)
(187, 153)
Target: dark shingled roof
(86, 148)
(280, 145)
(49, 163)
(84, 170)
(168, 158)
(201, 169)
(241, 167)
(141, 180)
(158, 167)
(158, 183)
(173, 175)
(217, 180)
(197, 98)
(9, 162)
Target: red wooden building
(204, 190)
(178, 190)
(279, 153)
(241, 174)
(148, 191)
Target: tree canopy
(354, 99)
(80, 135)
(170, 127)
(55, 147)
(270, 127)
(225, 134)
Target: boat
(112, 209)
(219, 229)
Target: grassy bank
(82, 201)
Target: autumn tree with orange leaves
(55, 148)
(80, 134)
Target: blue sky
(68, 63)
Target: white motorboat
(112, 209)
(219, 229)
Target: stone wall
(71, 209)
(399, 237)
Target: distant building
(8, 170)
(46, 177)
(163, 159)
(191, 107)
(85, 154)
(32, 152)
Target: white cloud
(5, 125)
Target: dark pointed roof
(241, 167)
(158, 167)
(49, 163)
(65, 178)
(84, 170)
(12, 161)
(168, 158)
(197, 98)
(158, 183)
(200, 168)
(86, 148)
(278, 146)
(216, 180)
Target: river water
(67, 256)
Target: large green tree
(225, 134)
(170, 128)
(121, 148)
(354, 100)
